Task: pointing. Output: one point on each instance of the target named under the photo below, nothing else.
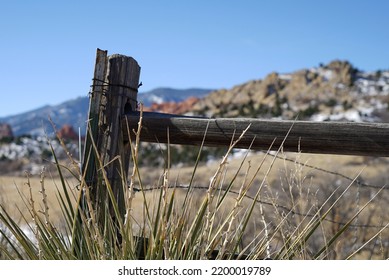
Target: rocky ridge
(334, 92)
(182, 107)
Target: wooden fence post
(114, 94)
(120, 98)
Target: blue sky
(48, 48)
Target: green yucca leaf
(25, 243)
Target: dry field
(293, 188)
(296, 185)
(15, 193)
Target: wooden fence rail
(367, 139)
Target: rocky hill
(336, 91)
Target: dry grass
(291, 194)
(15, 191)
(374, 169)
(302, 189)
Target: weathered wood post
(114, 93)
(92, 127)
(120, 98)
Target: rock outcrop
(174, 107)
(336, 91)
(5, 131)
(67, 133)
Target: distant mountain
(74, 112)
(36, 122)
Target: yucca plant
(170, 223)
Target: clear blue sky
(47, 48)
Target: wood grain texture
(344, 138)
(89, 158)
(120, 97)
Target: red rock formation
(5, 131)
(67, 133)
(174, 107)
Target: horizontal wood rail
(344, 138)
